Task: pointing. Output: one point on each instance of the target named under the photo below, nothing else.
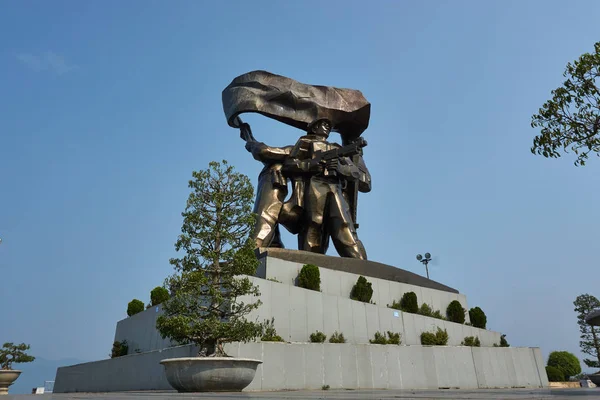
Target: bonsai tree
(205, 306)
(14, 354)
(158, 295)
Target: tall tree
(571, 119)
(205, 306)
(590, 335)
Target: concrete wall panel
(314, 366)
(314, 312)
(359, 319)
(379, 371)
(332, 366)
(280, 308)
(273, 367)
(364, 368)
(331, 315)
(294, 367)
(349, 362)
(298, 314)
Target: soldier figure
(271, 191)
(326, 211)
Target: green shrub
(309, 277)
(477, 317)
(472, 341)
(362, 290)
(503, 342)
(392, 338)
(566, 362)
(439, 338)
(135, 306)
(119, 349)
(408, 303)
(158, 295)
(269, 333)
(554, 374)
(425, 310)
(455, 312)
(437, 314)
(337, 338)
(317, 337)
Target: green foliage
(425, 310)
(119, 349)
(478, 318)
(408, 303)
(337, 338)
(325, 387)
(503, 342)
(589, 335)
(310, 277)
(566, 362)
(439, 338)
(11, 353)
(437, 314)
(269, 333)
(554, 374)
(135, 306)
(317, 337)
(206, 306)
(472, 341)
(158, 295)
(571, 119)
(455, 312)
(362, 290)
(392, 338)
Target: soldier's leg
(310, 237)
(341, 228)
(268, 204)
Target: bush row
(158, 295)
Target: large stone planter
(210, 374)
(595, 378)
(7, 378)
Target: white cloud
(48, 61)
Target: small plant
(567, 362)
(317, 337)
(472, 341)
(438, 314)
(310, 278)
(337, 338)
(119, 349)
(455, 312)
(362, 290)
(503, 342)
(269, 332)
(325, 387)
(477, 317)
(554, 374)
(11, 353)
(135, 306)
(408, 303)
(158, 295)
(439, 338)
(425, 310)
(392, 338)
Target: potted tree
(11, 354)
(204, 307)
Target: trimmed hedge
(477, 317)
(554, 374)
(392, 338)
(337, 338)
(158, 295)
(317, 337)
(408, 303)
(310, 277)
(135, 306)
(362, 290)
(472, 341)
(567, 362)
(455, 312)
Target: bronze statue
(325, 177)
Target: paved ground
(482, 394)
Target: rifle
(349, 150)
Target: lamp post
(425, 260)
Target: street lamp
(425, 260)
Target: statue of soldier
(325, 207)
(271, 191)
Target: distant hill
(35, 373)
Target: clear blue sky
(107, 108)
